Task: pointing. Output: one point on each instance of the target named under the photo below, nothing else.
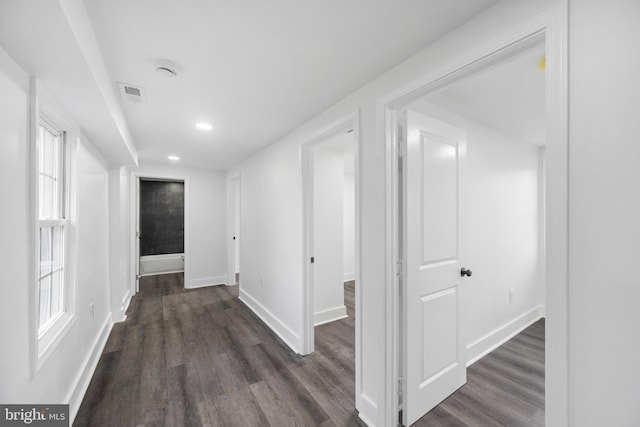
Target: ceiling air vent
(132, 93)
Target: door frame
(551, 26)
(136, 177)
(351, 121)
(231, 217)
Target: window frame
(46, 337)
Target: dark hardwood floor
(504, 388)
(201, 358)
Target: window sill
(49, 340)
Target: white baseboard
(119, 315)
(349, 276)
(283, 331)
(368, 410)
(330, 315)
(207, 281)
(494, 339)
(82, 380)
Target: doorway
(331, 236)
(161, 233)
(160, 219)
(550, 33)
(234, 233)
(472, 197)
(333, 225)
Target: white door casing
(433, 219)
(138, 237)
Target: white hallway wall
(604, 209)
(207, 261)
(272, 204)
(68, 369)
(504, 232)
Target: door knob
(465, 272)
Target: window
(52, 227)
(52, 299)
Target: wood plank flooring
(201, 358)
(504, 388)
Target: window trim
(43, 112)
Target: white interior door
(433, 230)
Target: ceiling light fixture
(167, 72)
(204, 126)
(173, 158)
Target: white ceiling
(254, 69)
(509, 96)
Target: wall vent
(132, 93)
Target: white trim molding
(207, 281)
(330, 315)
(494, 339)
(285, 333)
(82, 380)
(368, 410)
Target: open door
(433, 219)
(236, 231)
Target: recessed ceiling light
(204, 126)
(174, 158)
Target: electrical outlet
(511, 295)
(91, 310)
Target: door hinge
(400, 267)
(401, 144)
(400, 385)
(401, 150)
